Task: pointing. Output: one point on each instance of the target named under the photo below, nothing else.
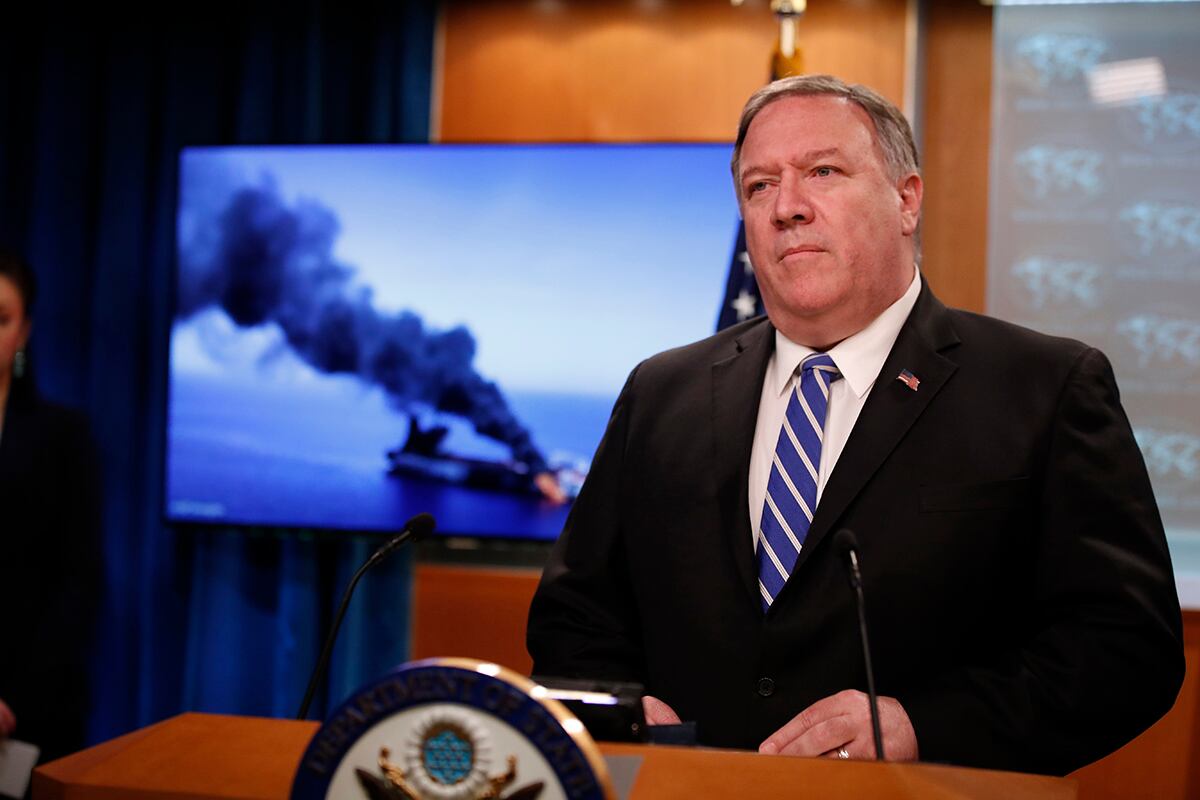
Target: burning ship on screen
(263, 261)
(422, 456)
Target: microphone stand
(418, 527)
(872, 697)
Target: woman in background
(49, 543)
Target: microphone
(417, 528)
(846, 544)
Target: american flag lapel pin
(908, 379)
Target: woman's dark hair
(17, 270)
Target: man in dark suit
(1021, 600)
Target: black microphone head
(420, 526)
(844, 541)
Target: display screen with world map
(1095, 216)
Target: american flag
(742, 300)
(908, 379)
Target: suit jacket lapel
(737, 383)
(890, 410)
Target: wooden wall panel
(472, 611)
(957, 126)
(1162, 763)
(619, 70)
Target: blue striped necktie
(792, 488)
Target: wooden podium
(211, 756)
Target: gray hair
(893, 135)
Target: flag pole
(787, 59)
(742, 300)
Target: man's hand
(658, 713)
(844, 721)
(8, 721)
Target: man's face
(830, 234)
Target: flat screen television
(362, 333)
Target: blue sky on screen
(568, 263)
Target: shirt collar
(859, 357)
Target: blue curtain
(94, 106)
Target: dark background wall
(95, 102)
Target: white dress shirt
(859, 358)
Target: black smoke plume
(261, 261)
